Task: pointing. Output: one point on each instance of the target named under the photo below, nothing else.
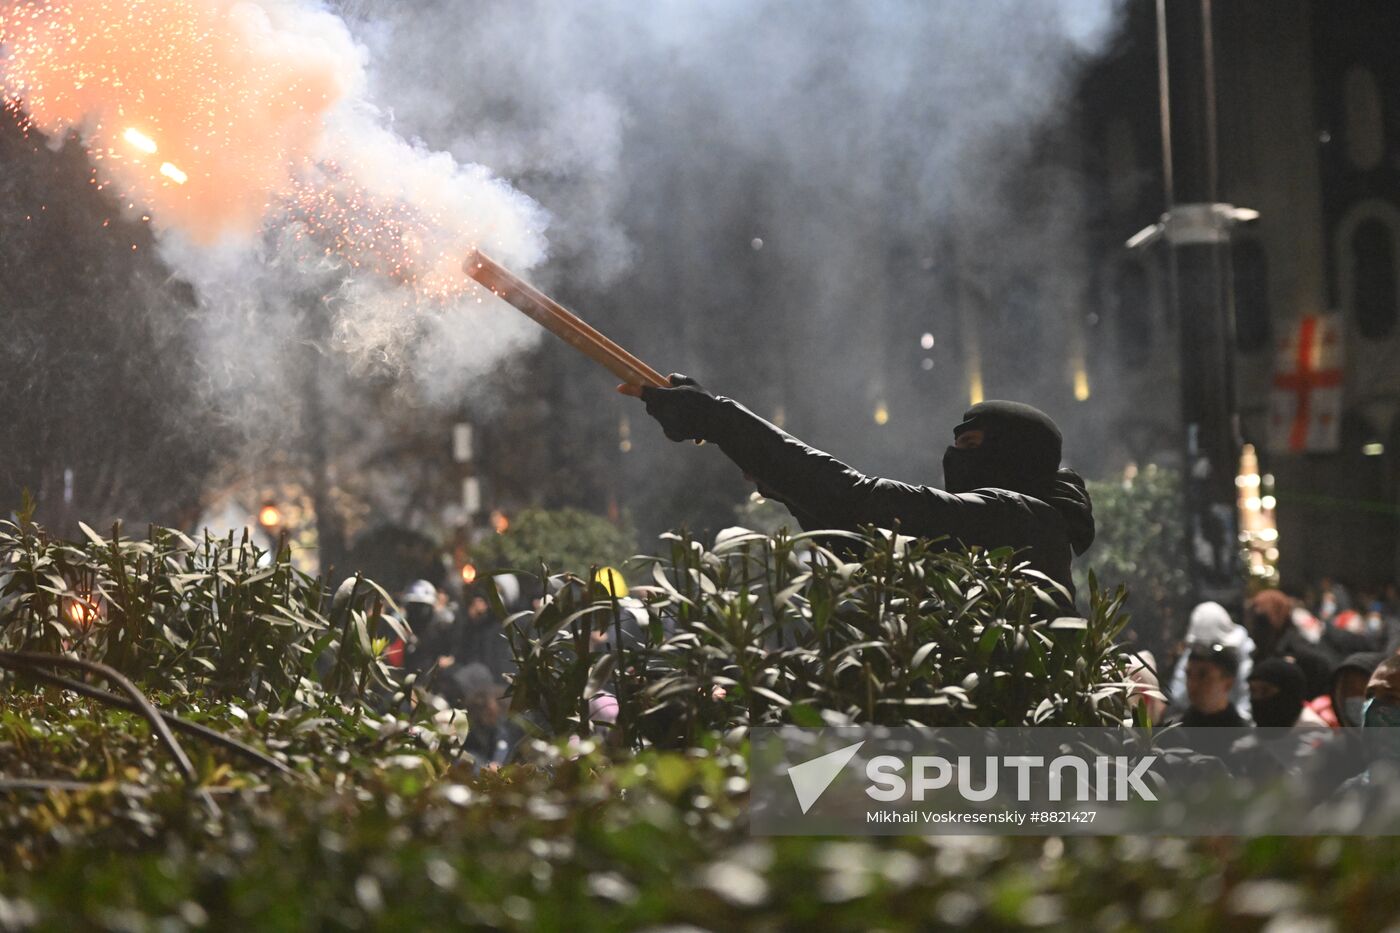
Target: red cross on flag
(1305, 411)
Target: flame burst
(213, 114)
(194, 85)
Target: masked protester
(1004, 485)
(1380, 721)
(1271, 625)
(1349, 681)
(430, 637)
(1344, 711)
(1276, 694)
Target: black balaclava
(1283, 708)
(1020, 451)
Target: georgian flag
(1305, 410)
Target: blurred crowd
(1318, 665)
(458, 649)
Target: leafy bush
(556, 538)
(382, 826)
(1141, 545)
(217, 617)
(768, 630)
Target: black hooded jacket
(1049, 521)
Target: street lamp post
(1196, 229)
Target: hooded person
(1211, 624)
(425, 641)
(1349, 681)
(1004, 484)
(1272, 625)
(1277, 691)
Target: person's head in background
(1210, 624)
(478, 608)
(1269, 613)
(419, 605)
(1210, 674)
(1349, 681)
(1145, 690)
(481, 695)
(1276, 693)
(1380, 714)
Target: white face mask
(1351, 710)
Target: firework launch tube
(560, 321)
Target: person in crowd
(1211, 671)
(431, 644)
(1002, 478)
(1341, 706)
(1211, 625)
(491, 736)
(1208, 721)
(1291, 738)
(1382, 709)
(1347, 634)
(1380, 722)
(1145, 691)
(1277, 635)
(481, 637)
(1276, 697)
(1332, 599)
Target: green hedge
(381, 825)
(767, 630)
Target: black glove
(685, 411)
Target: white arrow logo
(811, 778)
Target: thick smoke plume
(776, 195)
(243, 130)
(782, 198)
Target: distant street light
(270, 517)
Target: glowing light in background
(1081, 384)
(974, 393)
(468, 574)
(1258, 526)
(500, 522)
(882, 413)
(269, 516)
(139, 140)
(173, 173)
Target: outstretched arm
(821, 490)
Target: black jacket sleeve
(823, 492)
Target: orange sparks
(237, 97)
(197, 80)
